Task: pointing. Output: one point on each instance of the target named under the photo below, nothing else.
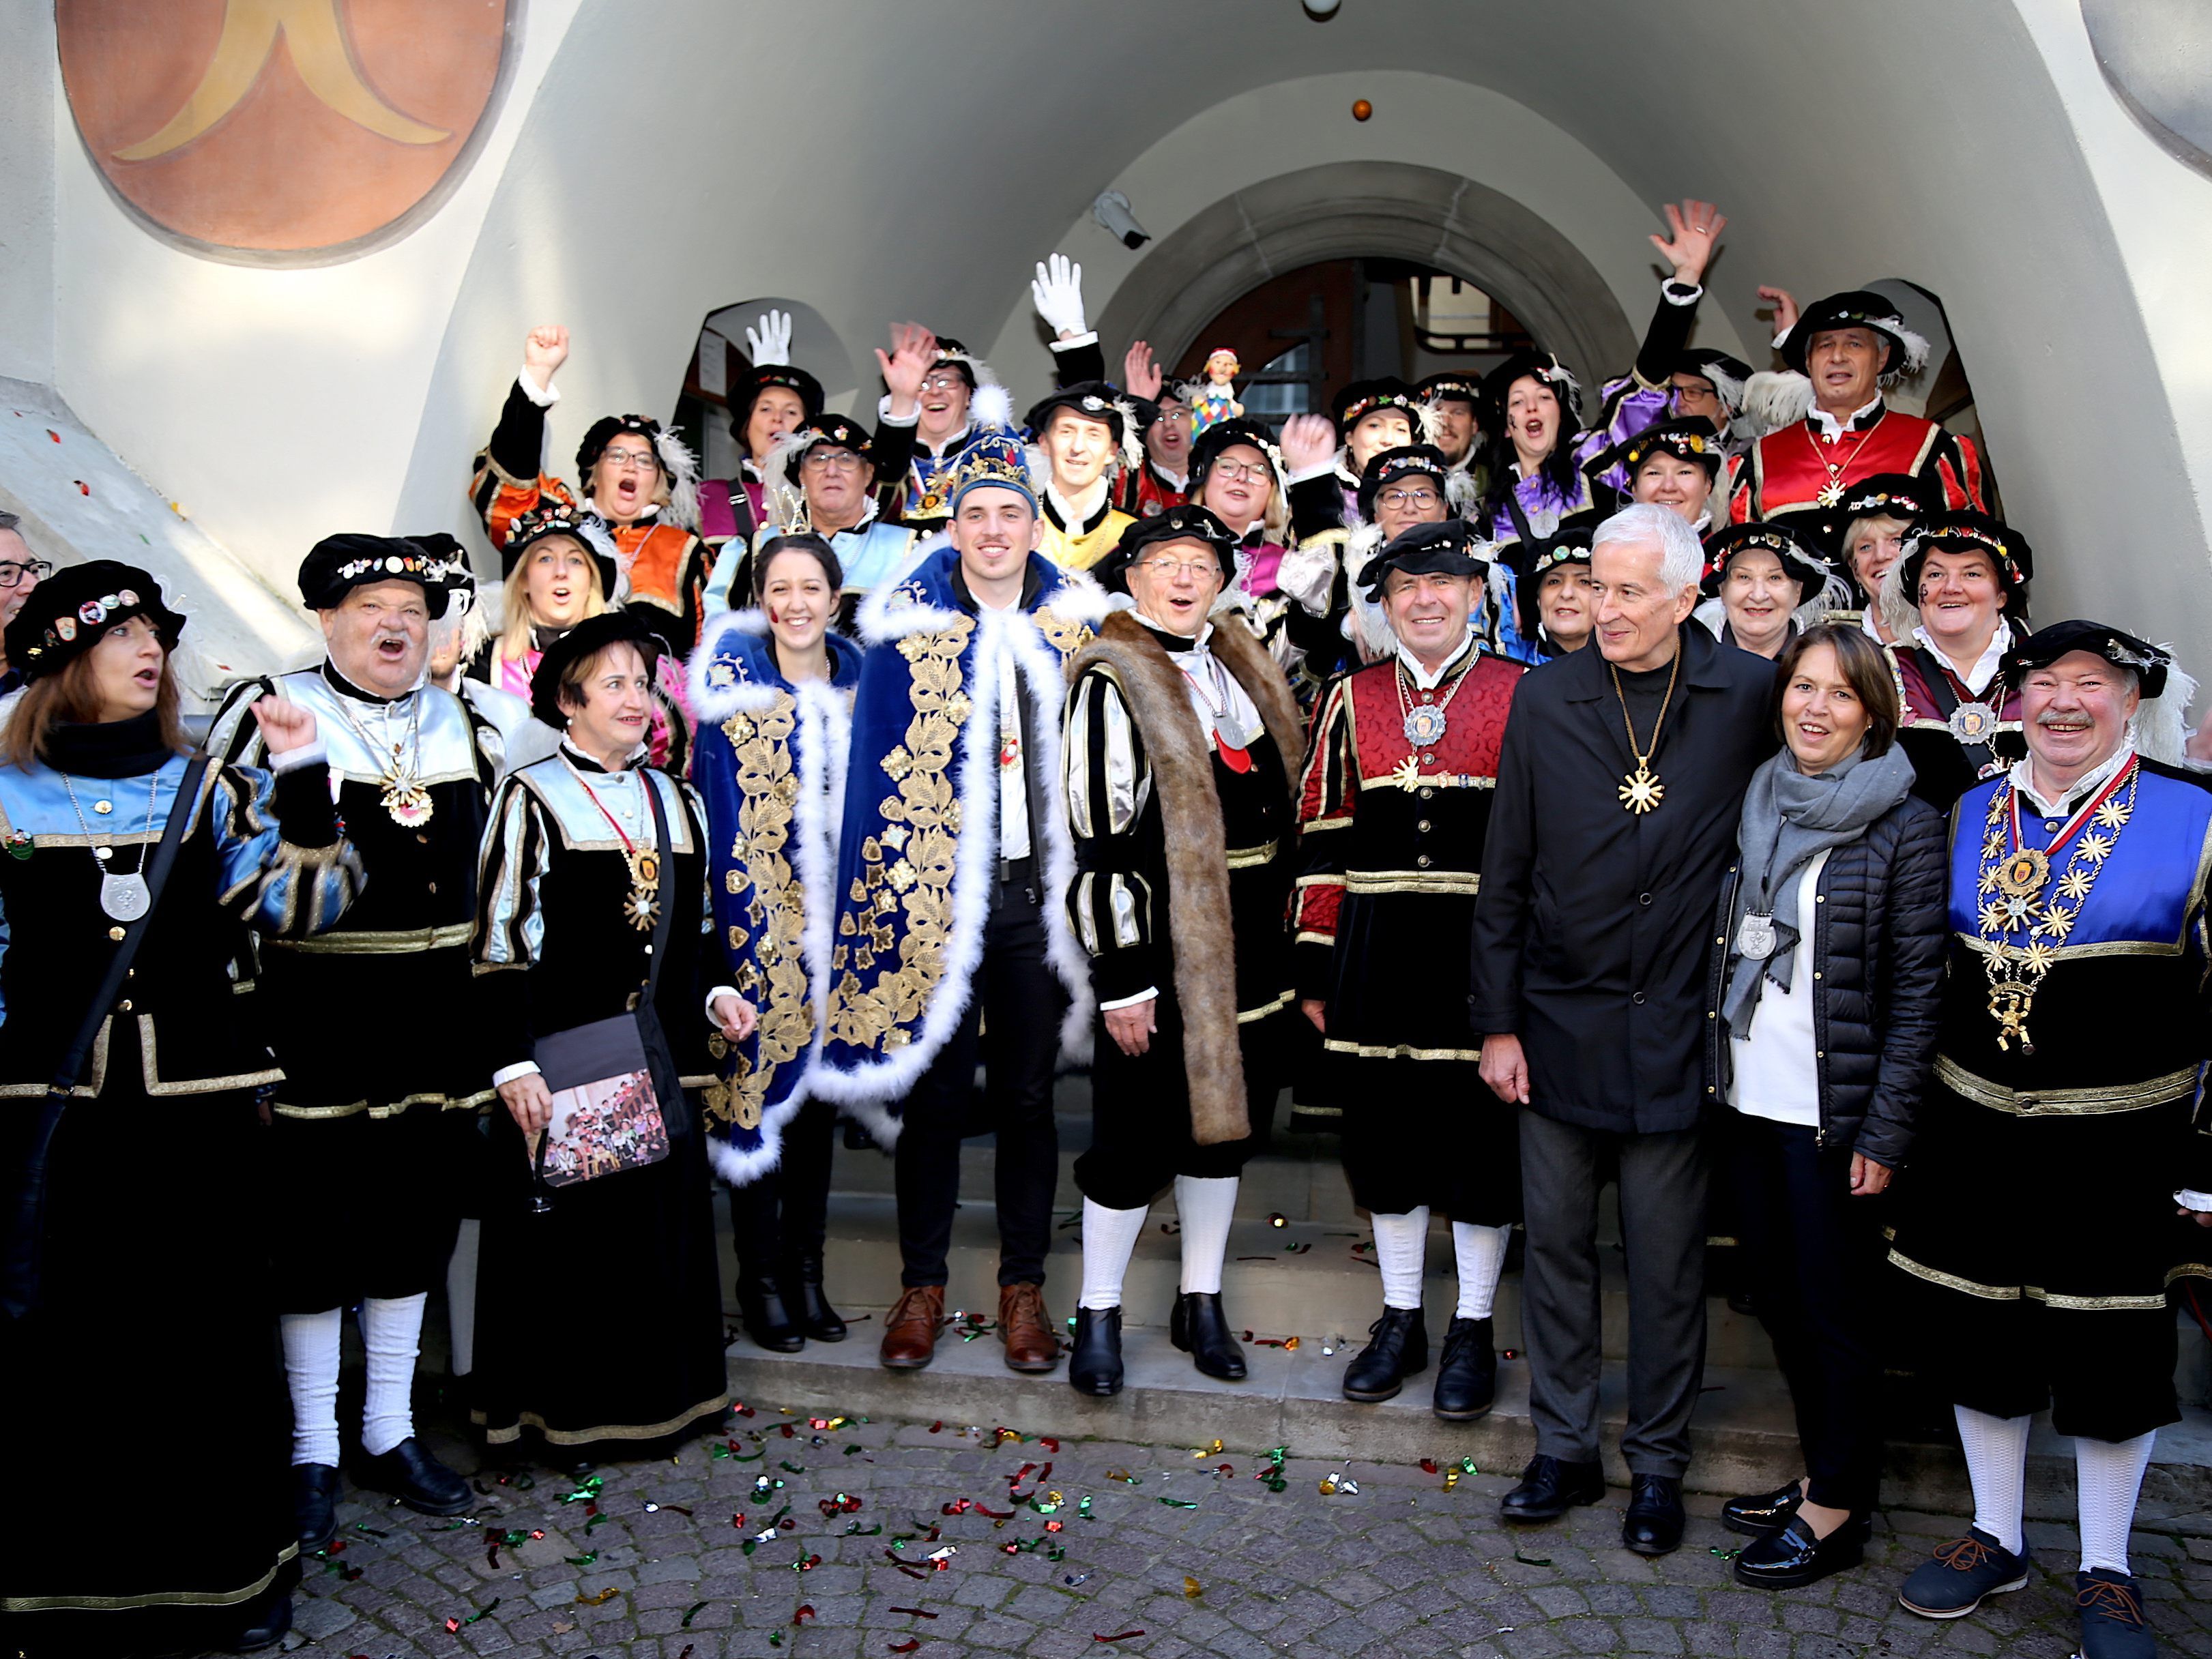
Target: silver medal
(123, 897)
(1425, 725)
(1755, 938)
(1230, 731)
(1972, 722)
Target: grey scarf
(1789, 820)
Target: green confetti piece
(581, 1560)
(1531, 1560)
(1176, 1502)
(849, 1450)
(791, 1468)
(697, 1607)
(594, 1522)
(473, 1617)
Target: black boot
(1397, 1348)
(767, 1321)
(1199, 1329)
(806, 1306)
(266, 1619)
(1467, 1376)
(415, 1479)
(315, 1504)
(1094, 1361)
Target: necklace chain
(1641, 791)
(1405, 701)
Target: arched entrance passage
(1353, 209)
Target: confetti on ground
(1192, 1588)
(1531, 1560)
(693, 1612)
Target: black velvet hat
(1967, 531)
(1187, 523)
(1803, 559)
(1363, 398)
(586, 640)
(2047, 645)
(1406, 461)
(1690, 437)
(1097, 400)
(536, 526)
(1859, 309)
(73, 610)
(337, 565)
(745, 392)
(1450, 548)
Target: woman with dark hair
(770, 398)
(1826, 969)
(591, 901)
(772, 690)
(135, 1236)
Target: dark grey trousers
(1662, 1222)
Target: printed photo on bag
(610, 1124)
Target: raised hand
(1308, 440)
(1785, 308)
(913, 353)
(284, 726)
(544, 349)
(1141, 375)
(1694, 231)
(735, 1016)
(772, 343)
(1058, 291)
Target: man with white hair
(1620, 784)
(2059, 1164)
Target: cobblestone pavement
(1192, 1555)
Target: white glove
(1058, 292)
(773, 343)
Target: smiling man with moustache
(369, 1141)
(2059, 1138)
(950, 943)
(1620, 784)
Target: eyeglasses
(38, 570)
(1242, 472)
(941, 382)
(824, 459)
(1405, 498)
(1197, 570)
(629, 458)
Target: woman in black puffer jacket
(1828, 967)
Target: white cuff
(543, 396)
(884, 417)
(317, 753)
(1780, 337)
(508, 1073)
(1145, 995)
(1676, 292)
(2193, 1200)
(714, 995)
(1317, 471)
(1089, 338)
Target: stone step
(1323, 1294)
(1744, 1437)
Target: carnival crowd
(1667, 789)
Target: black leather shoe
(1655, 1523)
(805, 1306)
(267, 1617)
(1467, 1376)
(1200, 1328)
(315, 1504)
(1792, 1556)
(766, 1319)
(416, 1479)
(1550, 1487)
(1094, 1361)
(1397, 1348)
(1767, 1511)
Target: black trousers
(1813, 1254)
(1012, 1025)
(781, 1218)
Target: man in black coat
(1619, 789)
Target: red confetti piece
(82, 488)
(958, 1506)
(919, 1613)
(789, 1433)
(907, 1646)
(689, 1648)
(996, 1515)
(1122, 1637)
(1428, 1466)
(738, 1522)
(805, 1613)
(936, 1426)
(55, 435)
(1052, 1526)
(451, 1625)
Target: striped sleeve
(1110, 787)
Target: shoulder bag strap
(666, 890)
(25, 1241)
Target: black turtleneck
(108, 749)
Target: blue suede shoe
(2111, 1610)
(1951, 1583)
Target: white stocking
(311, 1372)
(1206, 1206)
(1402, 1244)
(392, 1331)
(2109, 1473)
(1109, 1239)
(1481, 1254)
(1996, 1463)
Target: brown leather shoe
(1026, 1328)
(910, 1328)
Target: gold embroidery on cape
(921, 840)
(774, 980)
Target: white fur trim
(991, 406)
(1773, 400)
(712, 703)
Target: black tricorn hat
(74, 608)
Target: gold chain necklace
(1641, 790)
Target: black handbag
(626, 1106)
(22, 1259)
